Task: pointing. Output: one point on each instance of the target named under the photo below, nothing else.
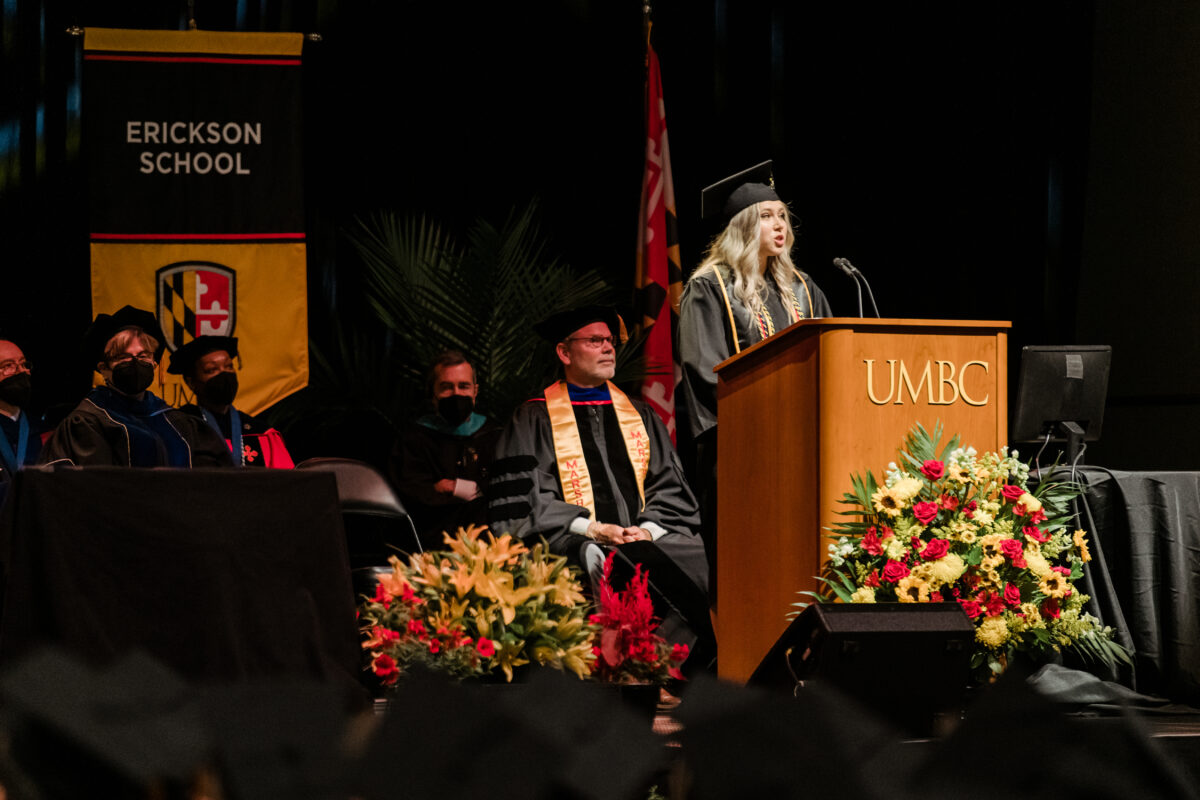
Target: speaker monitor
(905, 661)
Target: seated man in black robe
(592, 471)
(20, 442)
(122, 424)
(439, 464)
(207, 366)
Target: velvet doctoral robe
(526, 499)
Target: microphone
(848, 268)
(845, 266)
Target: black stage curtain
(1144, 576)
(224, 575)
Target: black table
(223, 575)
(1144, 577)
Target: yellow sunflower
(1054, 585)
(912, 589)
(886, 502)
(1081, 544)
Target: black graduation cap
(107, 326)
(554, 736)
(725, 198)
(183, 360)
(562, 324)
(132, 722)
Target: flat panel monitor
(1061, 393)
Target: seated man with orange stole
(592, 471)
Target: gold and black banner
(194, 157)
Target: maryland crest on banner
(196, 210)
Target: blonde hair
(121, 339)
(737, 247)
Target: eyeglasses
(125, 358)
(594, 342)
(12, 367)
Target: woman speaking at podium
(745, 290)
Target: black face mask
(219, 390)
(132, 377)
(16, 389)
(456, 408)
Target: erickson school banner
(196, 211)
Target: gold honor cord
(812, 312)
(737, 347)
(568, 448)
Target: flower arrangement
(481, 605)
(951, 525)
(627, 649)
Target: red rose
(894, 571)
(935, 549)
(1012, 549)
(485, 647)
(971, 608)
(925, 511)
(1012, 595)
(1012, 493)
(870, 542)
(1050, 608)
(1018, 510)
(933, 470)
(1033, 532)
(949, 503)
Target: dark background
(1033, 162)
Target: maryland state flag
(194, 152)
(659, 280)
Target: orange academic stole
(568, 449)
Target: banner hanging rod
(76, 30)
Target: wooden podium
(801, 411)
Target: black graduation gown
(705, 339)
(525, 498)
(98, 433)
(429, 451)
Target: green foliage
(420, 290)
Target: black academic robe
(705, 338)
(261, 446)
(525, 498)
(430, 450)
(10, 429)
(110, 429)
